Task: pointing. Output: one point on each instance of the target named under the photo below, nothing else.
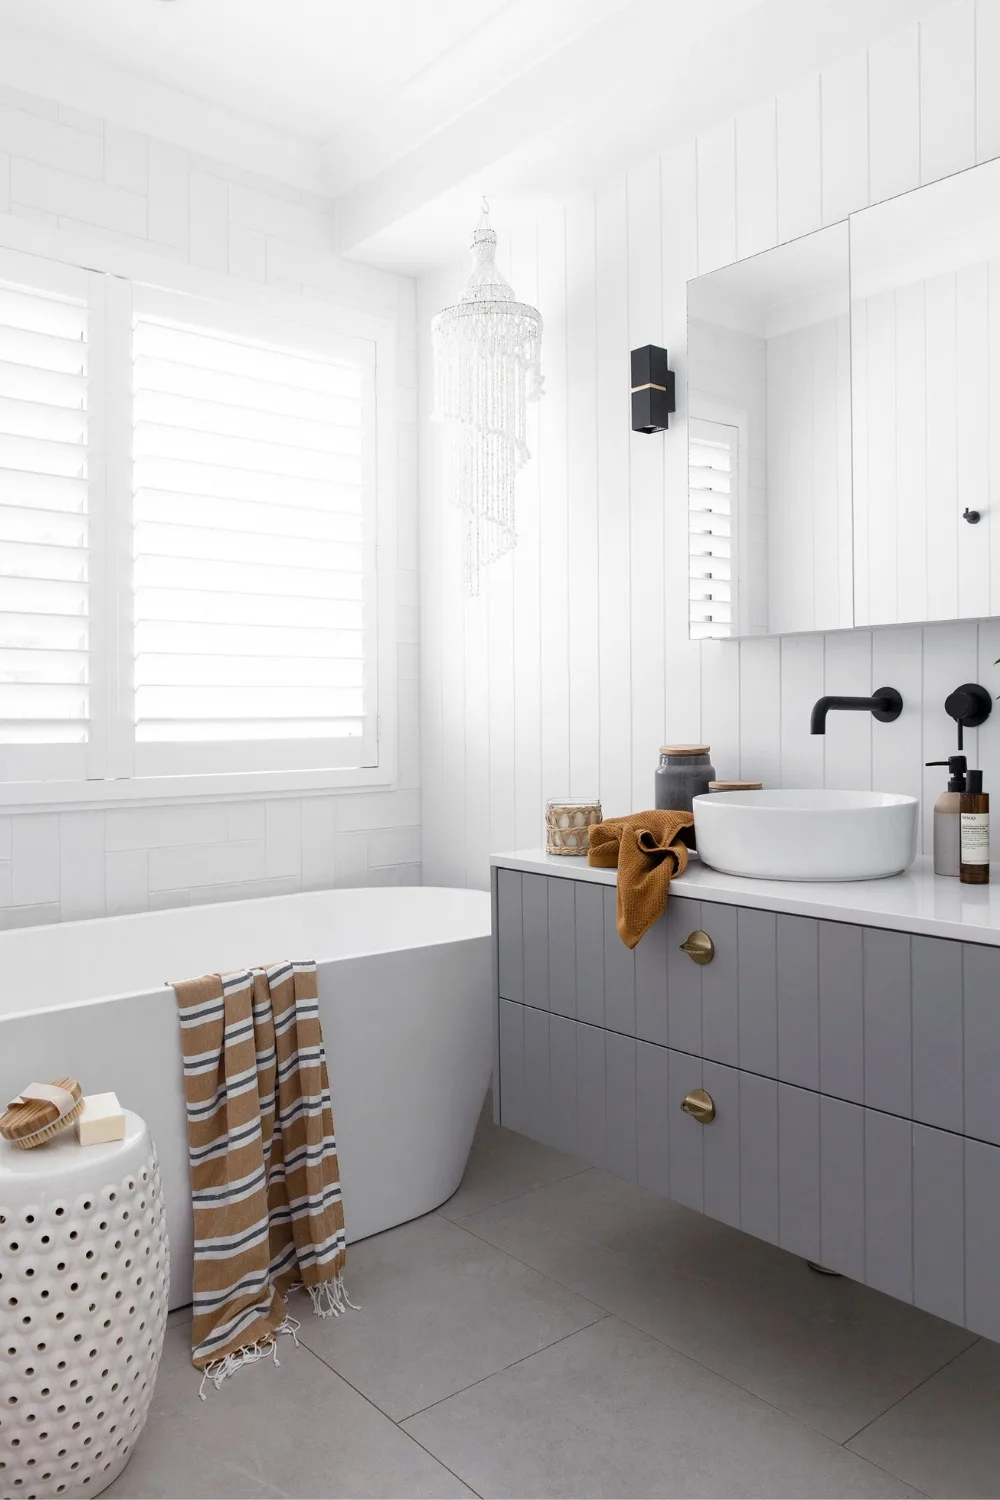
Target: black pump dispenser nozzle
(957, 766)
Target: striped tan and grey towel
(265, 1183)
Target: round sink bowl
(806, 835)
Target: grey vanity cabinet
(853, 1072)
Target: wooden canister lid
(735, 786)
(683, 749)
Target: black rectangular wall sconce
(652, 389)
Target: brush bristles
(39, 1137)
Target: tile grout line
(488, 1207)
(503, 1368)
(398, 1426)
(718, 1374)
(907, 1394)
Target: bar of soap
(102, 1120)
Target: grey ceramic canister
(684, 772)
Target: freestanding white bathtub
(404, 987)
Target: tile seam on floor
(840, 1442)
(500, 1202)
(398, 1425)
(502, 1371)
(906, 1396)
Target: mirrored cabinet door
(769, 403)
(925, 338)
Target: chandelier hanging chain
(487, 367)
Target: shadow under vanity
(848, 1038)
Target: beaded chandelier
(487, 367)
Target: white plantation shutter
(253, 589)
(712, 492)
(46, 625)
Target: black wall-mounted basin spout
(885, 704)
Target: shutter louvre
(250, 564)
(44, 504)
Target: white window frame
(248, 301)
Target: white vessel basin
(806, 835)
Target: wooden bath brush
(40, 1111)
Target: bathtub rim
(173, 911)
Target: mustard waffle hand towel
(647, 850)
(265, 1183)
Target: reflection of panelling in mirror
(808, 471)
(768, 352)
(925, 317)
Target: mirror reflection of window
(769, 383)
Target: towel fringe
(251, 1354)
(330, 1299)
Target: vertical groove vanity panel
(758, 992)
(720, 1016)
(936, 1004)
(562, 946)
(982, 1236)
(759, 1157)
(888, 1029)
(842, 1187)
(512, 1065)
(651, 984)
(510, 956)
(797, 948)
(981, 987)
(939, 1223)
(562, 1073)
(889, 1204)
(683, 977)
(619, 1096)
(686, 1135)
(653, 1117)
(619, 972)
(798, 1171)
(721, 1144)
(589, 929)
(841, 1016)
(535, 936)
(537, 1085)
(590, 1095)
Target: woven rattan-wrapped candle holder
(567, 826)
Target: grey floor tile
(298, 1430)
(613, 1412)
(179, 1316)
(826, 1350)
(440, 1309)
(945, 1437)
(503, 1164)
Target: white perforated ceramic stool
(84, 1268)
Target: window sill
(76, 796)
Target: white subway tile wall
(63, 168)
(563, 678)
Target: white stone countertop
(916, 901)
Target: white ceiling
(407, 110)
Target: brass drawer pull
(699, 947)
(700, 1105)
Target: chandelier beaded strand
(487, 367)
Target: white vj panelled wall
(64, 171)
(575, 664)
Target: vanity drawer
(906, 1208)
(907, 1025)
